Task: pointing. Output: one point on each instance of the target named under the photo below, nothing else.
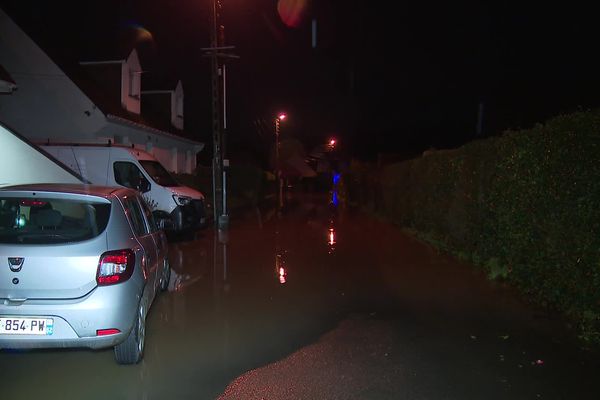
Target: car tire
(131, 350)
(165, 276)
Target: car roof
(74, 188)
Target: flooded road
(320, 304)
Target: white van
(114, 165)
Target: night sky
(384, 77)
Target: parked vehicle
(137, 169)
(81, 266)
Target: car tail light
(115, 267)
(104, 332)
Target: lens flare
(292, 12)
(140, 33)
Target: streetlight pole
(217, 51)
(217, 164)
(278, 120)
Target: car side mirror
(145, 186)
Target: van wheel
(131, 350)
(165, 276)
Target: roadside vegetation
(525, 206)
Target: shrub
(524, 206)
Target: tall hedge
(524, 205)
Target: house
(22, 162)
(163, 99)
(98, 100)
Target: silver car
(80, 266)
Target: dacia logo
(15, 263)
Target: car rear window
(29, 220)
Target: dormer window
(134, 83)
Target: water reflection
(182, 275)
(334, 199)
(331, 238)
(280, 269)
(178, 282)
(333, 206)
(220, 243)
(280, 265)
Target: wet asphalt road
(359, 311)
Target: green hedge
(525, 206)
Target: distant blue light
(334, 198)
(336, 178)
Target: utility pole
(217, 72)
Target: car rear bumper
(63, 337)
(77, 321)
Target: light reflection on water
(331, 239)
(280, 269)
(183, 272)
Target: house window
(134, 84)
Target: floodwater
(272, 286)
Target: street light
(278, 120)
(332, 143)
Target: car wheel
(165, 276)
(132, 349)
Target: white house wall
(161, 147)
(131, 101)
(22, 163)
(181, 161)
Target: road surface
(320, 304)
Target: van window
(158, 173)
(33, 220)
(128, 174)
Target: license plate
(26, 326)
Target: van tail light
(115, 267)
